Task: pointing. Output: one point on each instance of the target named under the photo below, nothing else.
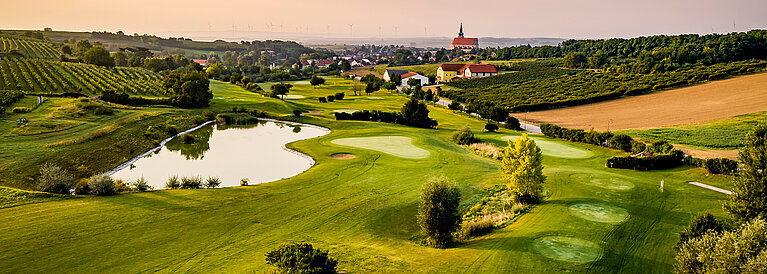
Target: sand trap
(567, 249)
(294, 96)
(301, 83)
(599, 213)
(556, 149)
(314, 112)
(343, 156)
(374, 98)
(605, 181)
(399, 146)
(346, 110)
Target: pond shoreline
(166, 140)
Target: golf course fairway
(556, 149)
(399, 146)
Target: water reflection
(228, 152)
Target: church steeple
(460, 33)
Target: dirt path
(690, 105)
(711, 188)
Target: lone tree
(356, 87)
(280, 89)
(316, 81)
(415, 113)
(522, 165)
(438, 213)
(189, 89)
(750, 186)
(98, 56)
(301, 258)
(575, 60)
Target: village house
(202, 62)
(448, 72)
(389, 73)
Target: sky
(391, 18)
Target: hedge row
(666, 161)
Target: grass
(399, 146)
(556, 149)
(362, 210)
(720, 134)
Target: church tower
(460, 32)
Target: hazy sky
(494, 18)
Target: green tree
(345, 66)
(522, 166)
(66, 49)
(575, 60)
(438, 213)
(413, 82)
(82, 46)
(750, 186)
(743, 250)
(121, 58)
(598, 60)
(264, 60)
(280, 89)
(316, 81)
(301, 258)
(356, 87)
(98, 56)
(54, 179)
(699, 226)
(415, 113)
(214, 70)
(189, 89)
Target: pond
(256, 152)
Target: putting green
(603, 181)
(399, 146)
(346, 110)
(556, 149)
(599, 213)
(567, 249)
(294, 96)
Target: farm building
(389, 73)
(448, 72)
(466, 44)
(202, 62)
(412, 75)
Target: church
(466, 44)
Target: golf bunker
(343, 156)
(605, 181)
(599, 213)
(556, 149)
(567, 249)
(294, 97)
(399, 146)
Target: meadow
(361, 209)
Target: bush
(621, 142)
(54, 179)
(512, 123)
(102, 185)
(721, 166)
(173, 182)
(665, 161)
(699, 226)
(659, 147)
(340, 96)
(438, 212)
(486, 150)
(455, 106)
(331, 98)
(490, 127)
(82, 188)
(141, 185)
(297, 113)
(301, 258)
(21, 110)
(638, 147)
(323, 100)
(121, 186)
(244, 181)
(213, 182)
(191, 182)
(463, 137)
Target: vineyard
(28, 48)
(35, 75)
(588, 86)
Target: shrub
(721, 166)
(54, 179)
(212, 182)
(438, 212)
(491, 127)
(141, 185)
(659, 147)
(455, 106)
(512, 123)
(301, 258)
(244, 182)
(82, 188)
(121, 186)
(323, 100)
(331, 98)
(486, 150)
(621, 142)
(699, 226)
(191, 182)
(340, 96)
(638, 147)
(297, 113)
(657, 162)
(102, 185)
(173, 182)
(21, 110)
(463, 137)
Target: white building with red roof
(202, 62)
(463, 43)
(423, 80)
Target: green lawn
(363, 209)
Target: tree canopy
(189, 89)
(522, 166)
(98, 56)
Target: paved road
(528, 127)
(711, 188)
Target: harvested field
(690, 105)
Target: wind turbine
(351, 29)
